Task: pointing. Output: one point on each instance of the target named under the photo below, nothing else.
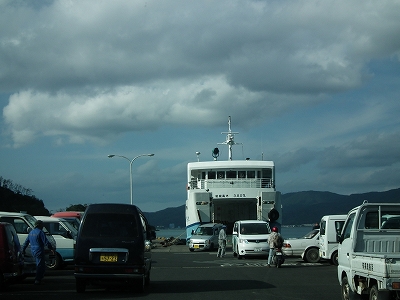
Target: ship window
(230, 174)
(211, 175)
(266, 173)
(251, 174)
(258, 174)
(241, 174)
(203, 175)
(221, 174)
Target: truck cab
(330, 227)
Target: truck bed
(375, 241)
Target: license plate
(257, 249)
(196, 246)
(109, 257)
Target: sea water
(290, 232)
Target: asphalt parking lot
(178, 273)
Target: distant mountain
(298, 208)
(165, 217)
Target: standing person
(221, 242)
(37, 238)
(271, 241)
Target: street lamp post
(130, 168)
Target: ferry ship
(232, 190)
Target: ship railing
(232, 183)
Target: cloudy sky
(312, 85)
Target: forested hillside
(15, 198)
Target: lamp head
(110, 155)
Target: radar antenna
(230, 138)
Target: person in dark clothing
(38, 240)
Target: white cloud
(100, 116)
(295, 74)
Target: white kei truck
(369, 252)
(330, 227)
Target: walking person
(271, 241)
(38, 240)
(221, 242)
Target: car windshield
(71, 228)
(255, 228)
(31, 220)
(311, 234)
(73, 222)
(203, 231)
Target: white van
(330, 227)
(250, 237)
(205, 237)
(23, 224)
(65, 235)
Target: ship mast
(230, 138)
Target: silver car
(205, 237)
(306, 247)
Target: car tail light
(396, 285)
(286, 245)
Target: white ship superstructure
(232, 190)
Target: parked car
(306, 247)
(205, 237)
(113, 246)
(250, 238)
(65, 236)
(73, 217)
(23, 223)
(11, 260)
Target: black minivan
(113, 246)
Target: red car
(11, 261)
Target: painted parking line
(232, 263)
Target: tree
(76, 207)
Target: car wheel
(347, 293)
(80, 285)
(191, 250)
(334, 258)
(57, 263)
(375, 294)
(312, 255)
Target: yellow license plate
(196, 246)
(112, 257)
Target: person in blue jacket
(38, 240)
